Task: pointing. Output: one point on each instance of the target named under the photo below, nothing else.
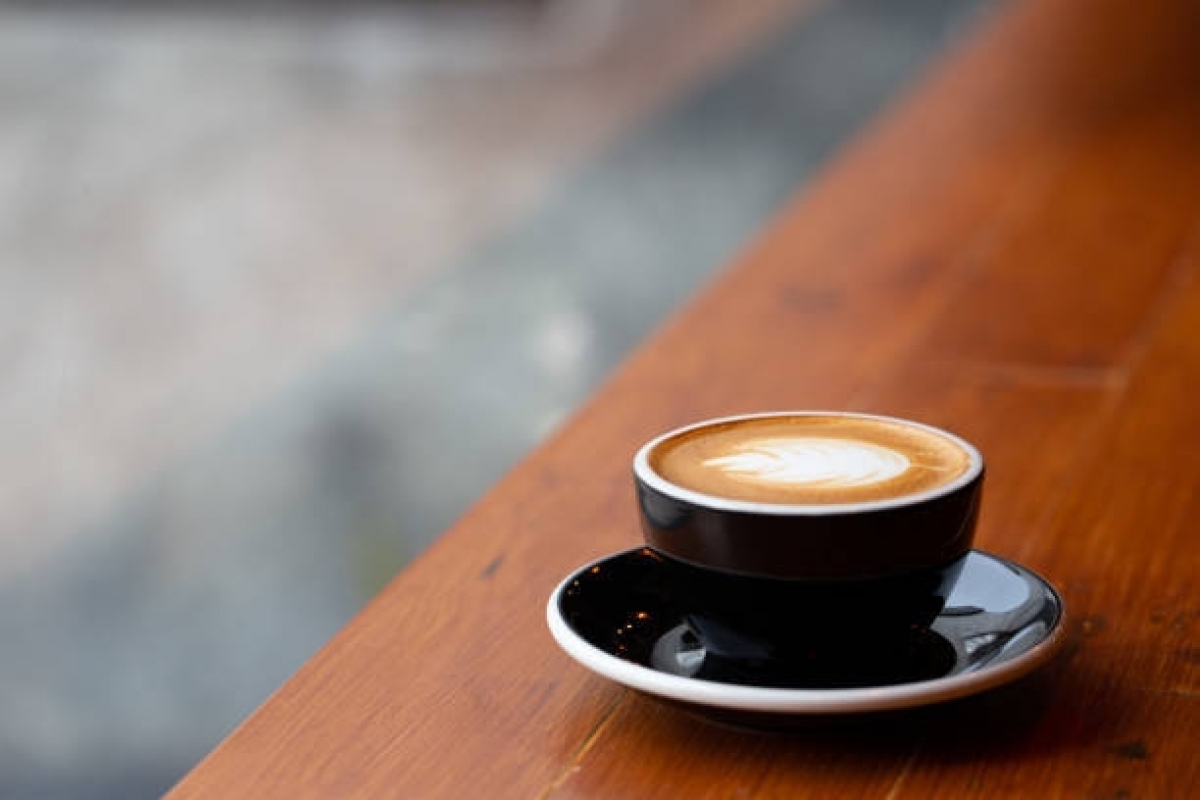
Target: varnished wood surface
(1010, 253)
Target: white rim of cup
(643, 470)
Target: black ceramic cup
(849, 545)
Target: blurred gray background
(286, 286)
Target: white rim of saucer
(799, 701)
(643, 470)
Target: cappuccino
(810, 459)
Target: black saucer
(615, 617)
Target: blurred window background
(286, 286)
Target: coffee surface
(810, 459)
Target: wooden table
(1011, 253)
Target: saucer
(1001, 622)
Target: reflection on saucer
(617, 617)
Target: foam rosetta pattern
(816, 462)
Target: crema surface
(810, 459)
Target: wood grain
(1010, 253)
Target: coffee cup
(808, 535)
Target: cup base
(819, 627)
(925, 656)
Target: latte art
(810, 459)
(813, 462)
